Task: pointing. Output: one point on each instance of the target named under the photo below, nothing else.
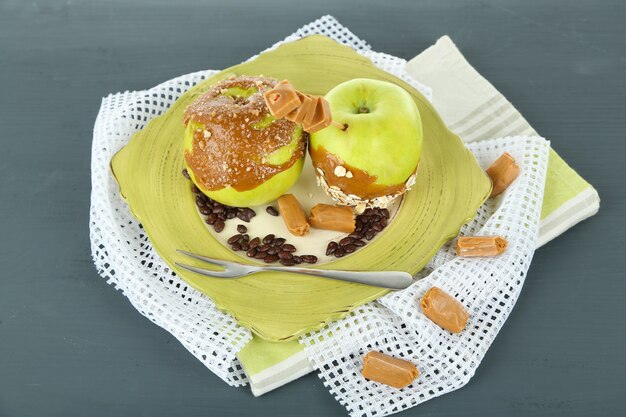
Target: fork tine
(206, 272)
(205, 259)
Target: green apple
(382, 132)
(210, 121)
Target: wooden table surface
(70, 345)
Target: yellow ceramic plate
(450, 188)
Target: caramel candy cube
(297, 116)
(502, 172)
(325, 216)
(293, 215)
(318, 118)
(444, 310)
(282, 99)
(473, 246)
(388, 370)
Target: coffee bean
(242, 216)
(186, 174)
(350, 248)
(244, 245)
(218, 209)
(195, 189)
(270, 258)
(271, 210)
(255, 242)
(245, 238)
(375, 218)
(355, 235)
(383, 222)
(260, 255)
(346, 241)
(234, 239)
(251, 252)
(205, 210)
(285, 255)
(332, 246)
(248, 212)
(264, 247)
(377, 226)
(288, 247)
(310, 259)
(370, 234)
(279, 241)
(384, 213)
(231, 213)
(268, 239)
(241, 228)
(273, 250)
(211, 219)
(200, 202)
(340, 252)
(287, 262)
(236, 247)
(297, 260)
(218, 226)
(358, 242)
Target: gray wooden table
(70, 345)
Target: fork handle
(395, 280)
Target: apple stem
(364, 110)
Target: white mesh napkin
(489, 287)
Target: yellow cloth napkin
(475, 110)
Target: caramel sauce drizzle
(227, 149)
(361, 183)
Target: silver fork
(395, 280)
